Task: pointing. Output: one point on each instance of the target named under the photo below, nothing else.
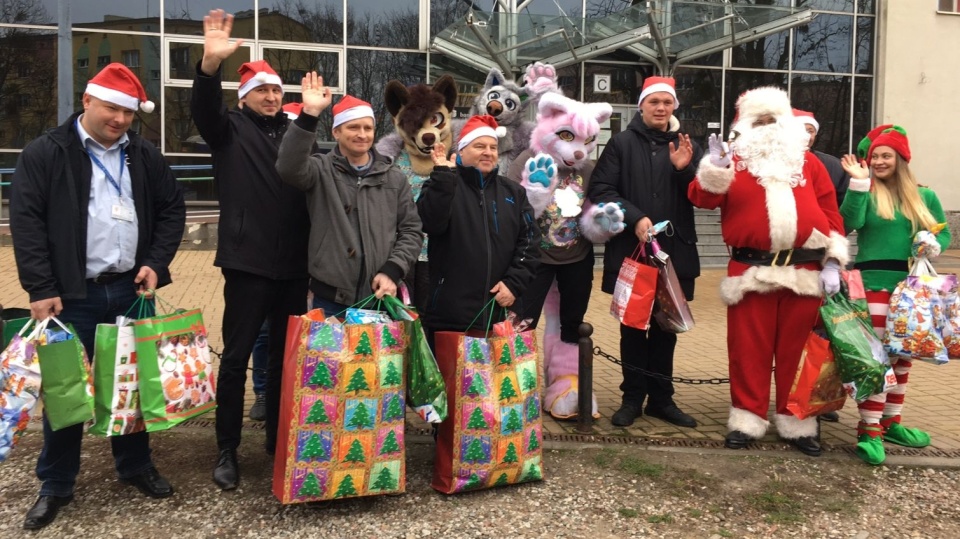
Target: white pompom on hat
(116, 84)
(253, 74)
(480, 126)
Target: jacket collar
(380, 163)
(66, 135)
(277, 121)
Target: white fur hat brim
(760, 101)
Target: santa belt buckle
(786, 258)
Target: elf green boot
(870, 443)
(895, 433)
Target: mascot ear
(395, 96)
(601, 111)
(447, 87)
(552, 105)
(494, 78)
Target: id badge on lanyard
(123, 209)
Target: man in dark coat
(262, 244)
(96, 217)
(839, 177)
(647, 169)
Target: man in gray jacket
(365, 232)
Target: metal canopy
(667, 33)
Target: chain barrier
(675, 379)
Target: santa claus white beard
(774, 152)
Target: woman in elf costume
(888, 211)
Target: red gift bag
(635, 291)
(854, 283)
(817, 388)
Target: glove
(541, 170)
(830, 277)
(925, 244)
(611, 218)
(719, 152)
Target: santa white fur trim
(259, 79)
(747, 423)
(113, 96)
(862, 186)
(478, 132)
(714, 179)
(673, 124)
(759, 101)
(353, 113)
(791, 427)
(782, 213)
(836, 245)
(659, 87)
(763, 279)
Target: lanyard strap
(106, 173)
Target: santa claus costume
(780, 219)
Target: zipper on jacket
(436, 294)
(363, 256)
(486, 237)
(496, 220)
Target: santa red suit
(779, 216)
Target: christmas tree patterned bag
(494, 432)
(342, 410)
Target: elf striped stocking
(872, 409)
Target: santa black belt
(786, 257)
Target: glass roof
(666, 32)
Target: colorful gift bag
(66, 381)
(864, 366)
(494, 434)
(951, 323)
(176, 375)
(341, 431)
(817, 388)
(115, 373)
(634, 292)
(671, 310)
(916, 320)
(19, 387)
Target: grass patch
(637, 466)
(723, 532)
(660, 519)
(686, 481)
(604, 458)
(626, 512)
(846, 507)
(778, 507)
(694, 513)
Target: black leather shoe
(736, 440)
(44, 511)
(227, 473)
(151, 483)
(625, 416)
(808, 445)
(831, 417)
(673, 415)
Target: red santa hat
(864, 146)
(653, 85)
(118, 85)
(895, 137)
(350, 108)
(807, 118)
(292, 110)
(479, 126)
(253, 74)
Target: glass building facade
(359, 45)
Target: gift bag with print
(916, 321)
(341, 430)
(19, 386)
(817, 388)
(635, 291)
(116, 381)
(66, 380)
(176, 379)
(494, 433)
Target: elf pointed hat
(895, 137)
(292, 110)
(864, 146)
(118, 85)
(653, 85)
(480, 126)
(807, 118)
(253, 74)
(350, 108)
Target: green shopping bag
(864, 366)
(66, 384)
(176, 375)
(426, 392)
(115, 381)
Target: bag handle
(491, 304)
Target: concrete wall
(918, 87)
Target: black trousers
(418, 283)
(651, 350)
(574, 281)
(249, 300)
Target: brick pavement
(933, 400)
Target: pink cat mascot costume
(555, 171)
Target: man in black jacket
(262, 244)
(647, 169)
(96, 217)
(839, 177)
(484, 242)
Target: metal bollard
(585, 385)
